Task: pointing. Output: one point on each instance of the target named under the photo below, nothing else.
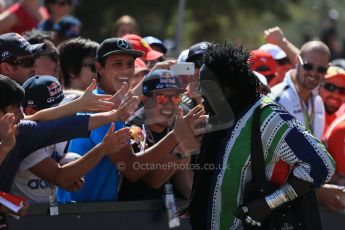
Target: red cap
(139, 43)
(139, 66)
(262, 62)
(336, 72)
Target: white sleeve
(33, 159)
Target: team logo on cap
(122, 44)
(144, 43)
(5, 54)
(203, 46)
(167, 74)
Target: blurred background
(181, 23)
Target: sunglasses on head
(332, 88)
(25, 62)
(53, 55)
(309, 66)
(63, 3)
(163, 99)
(92, 66)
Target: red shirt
(329, 118)
(335, 142)
(27, 21)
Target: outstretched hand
(90, 102)
(8, 130)
(185, 130)
(128, 106)
(113, 140)
(120, 95)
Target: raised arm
(276, 36)
(7, 20)
(182, 135)
(63, 176)
(7, 135)
(89, 102)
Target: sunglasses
(309, 66)
(332, 88)
(53, 55)
(163, 99)
(63, 3)
(92, 66)
(24, 63)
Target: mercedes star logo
(122, 44)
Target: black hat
(161, 79)
(13, 45)
(116, 46)
(198, 49)
(42, 92)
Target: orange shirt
(329, 118)
(335, 143)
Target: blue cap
(42, 92)
(155, 41)
(160, 79)
(68, 27)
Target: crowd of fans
(81, 121)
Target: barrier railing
(99, 215)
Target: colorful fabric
(283, 138)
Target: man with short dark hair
(17, 58)
(298, 93)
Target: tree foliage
(211, 20)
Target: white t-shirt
(285, 94)
(29, 185)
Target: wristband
(284, 194)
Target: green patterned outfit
(283, 138)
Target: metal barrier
(99, 215)
(123, 215)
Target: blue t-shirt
(101, 182)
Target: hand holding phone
(183, 68)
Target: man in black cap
(17, 57)
(115, 66)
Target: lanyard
(308, 118)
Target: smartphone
(183, 68)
